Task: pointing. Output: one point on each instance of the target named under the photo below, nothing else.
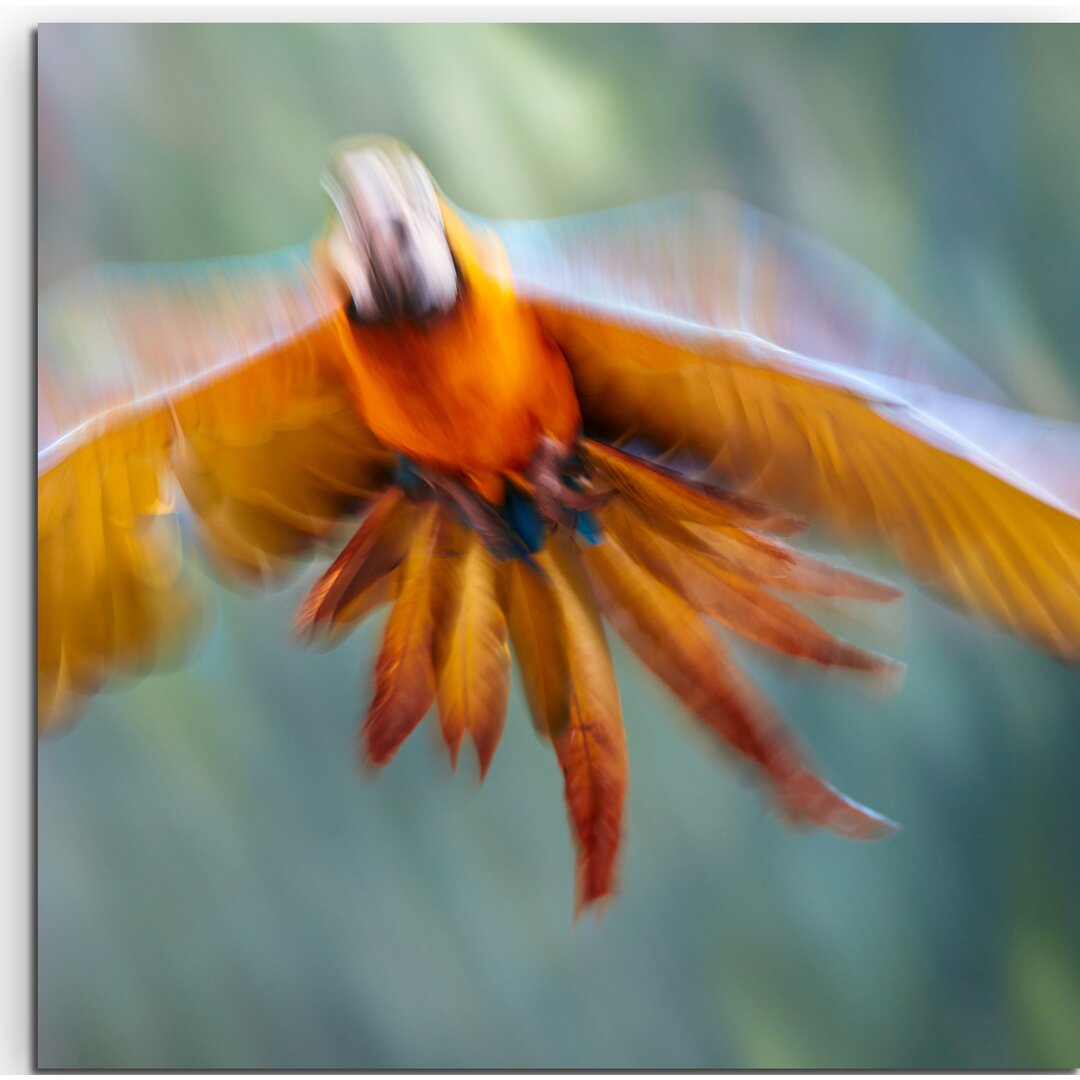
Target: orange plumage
(493, 402)
(469, 392)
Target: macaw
(539, 427)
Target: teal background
(219, 887)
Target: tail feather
(404, 673)
(702, 517)
(670, 553)
(817, 578)
(749, 554)
(539, 635)
(672, 640)
(357, 576)
(662, 491)
(738, 603)
(592, 747)
(472, 660)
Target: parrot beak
(388, 242)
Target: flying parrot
(536, 430)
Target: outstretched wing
(706, 330)
(219, 381)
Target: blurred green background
(219, 887)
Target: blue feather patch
(524, 518)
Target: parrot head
(387, 241)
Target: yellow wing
(217, 385)
(706, 331)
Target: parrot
(521, 436)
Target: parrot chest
(471, 393)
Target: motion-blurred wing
(222, 376)
(703, 328)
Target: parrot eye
(388, 242)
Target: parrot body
(470, 392)
(538, 430)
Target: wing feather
(118, 341)
(704, 329)
(958, 523)
(223, 382)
